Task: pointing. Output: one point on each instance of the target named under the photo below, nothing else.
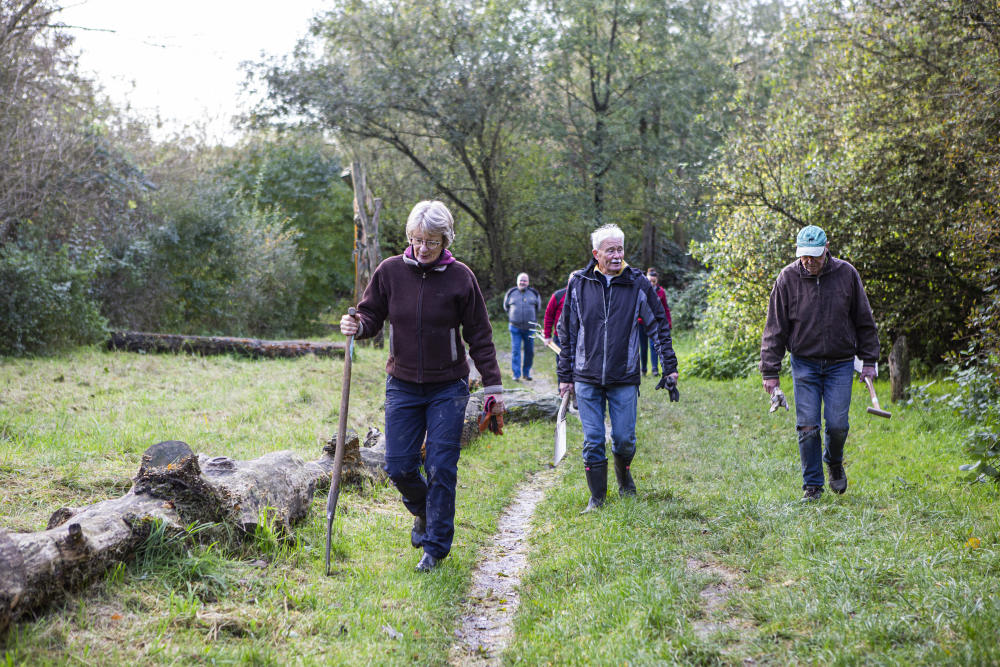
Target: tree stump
(899, 370)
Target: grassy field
(886, 574)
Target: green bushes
(45, 301)
(688, 305)
(227, 266)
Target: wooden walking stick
(338, 457)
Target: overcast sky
(182, 57)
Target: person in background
(433, 304)
(522, 304)
(645, 344)
(552, 312)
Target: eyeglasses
(430, 245)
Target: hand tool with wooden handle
(877, 409)
(560, 448)
(338, 457)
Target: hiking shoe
(656, 374)
(811, 493)
(427, 563)
(838, 478)
(528, 378)
(417, 534)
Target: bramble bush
(45, 300)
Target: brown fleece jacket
(426, 307)
(818, 317)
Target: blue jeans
(646, 342)
(621, 401)
(826, 385)
(517, 338)
(436, 409)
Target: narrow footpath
(486, 627)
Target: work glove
(670, 384)
(778, 400)
(488, 420)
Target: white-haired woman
(433, 303)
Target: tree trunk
(598, 171)
(899, 369)
(496, 250)
(648, 131)
(174, 486)
(133, 341)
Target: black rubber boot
(427, 563)
(417, 533)
(597, 482)
(626, 486)
(838, 477)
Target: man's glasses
(430, 245)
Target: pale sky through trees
(183, 55)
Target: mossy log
(133, 341)
(174, 486)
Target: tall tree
(445, 84)
(634, 84)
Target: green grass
(880, 576)
(72, 431)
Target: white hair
(431, 217)
(522, 274)
(602, 234)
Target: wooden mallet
(876, 409)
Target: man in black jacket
(599, 332)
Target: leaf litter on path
(487, 624)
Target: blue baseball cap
(811, 241)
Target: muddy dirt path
(487, 624)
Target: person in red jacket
(653, 278)
(552, 313)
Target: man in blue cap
(819, 312)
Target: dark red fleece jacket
(431, 309)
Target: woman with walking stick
(433, 303)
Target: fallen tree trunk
(174, 486)
(134, 341)
(522, 405)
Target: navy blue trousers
(437, 410)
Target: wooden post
(899, 369)
(367, 254)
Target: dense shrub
(230, 267)
(45, 301)
(688, 305)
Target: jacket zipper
(607, 310)
(420, 330)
